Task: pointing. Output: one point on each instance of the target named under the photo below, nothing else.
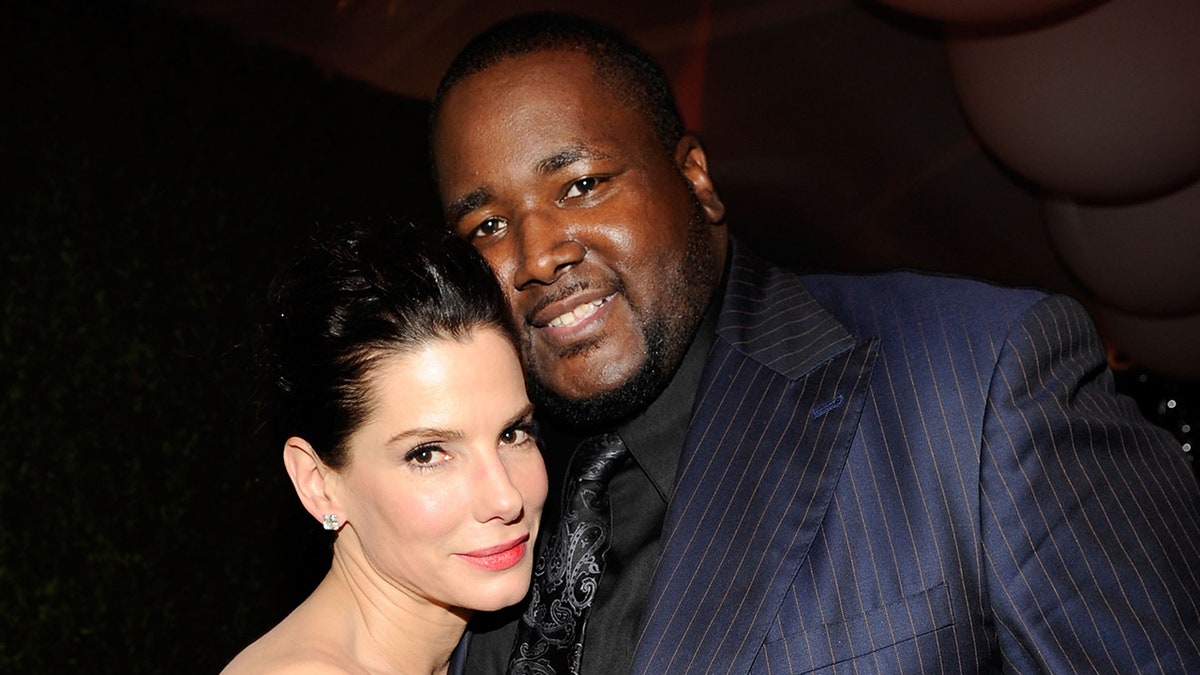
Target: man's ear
(315, 482)
(693, 164)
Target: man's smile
(579, 313)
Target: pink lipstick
(497, 558)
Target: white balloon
(1102, 105)
(1141, 258)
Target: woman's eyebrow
(425, 432)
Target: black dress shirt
(639, 493)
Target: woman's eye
(582, 187)
(514, 436)
(425, 455)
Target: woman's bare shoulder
(272, 658)
(307, 641)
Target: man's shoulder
(907, 301)
(856, 291)
(915, 287)
(902, 310)
(895, 298)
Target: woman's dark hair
(375, 290)
(621, 66)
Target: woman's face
(444, 486)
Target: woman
(409, 435)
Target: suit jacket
(905, 473)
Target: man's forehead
(529, 71)
(556, 106)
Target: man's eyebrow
(568, 156)
(459, 208)
(480, 196)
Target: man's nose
(547, 249)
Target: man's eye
(488, 228)
(582, 187)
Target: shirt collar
(655, 438)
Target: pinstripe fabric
(911, 474)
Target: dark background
(158, 173)
(158, 170)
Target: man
(891, 473)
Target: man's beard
(612, 407)
(666, 345)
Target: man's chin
(582, 415)
(602, 410)
(607, 409)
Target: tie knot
(597, 458)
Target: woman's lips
(498, 558)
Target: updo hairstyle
(370, 292)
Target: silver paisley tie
(550, 635)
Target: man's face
(608, 247)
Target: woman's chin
(500, 598)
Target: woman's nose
(497, 497)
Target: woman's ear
(315, 482)
(693, 164)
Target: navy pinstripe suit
(912, 474)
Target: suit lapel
(774, 418)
